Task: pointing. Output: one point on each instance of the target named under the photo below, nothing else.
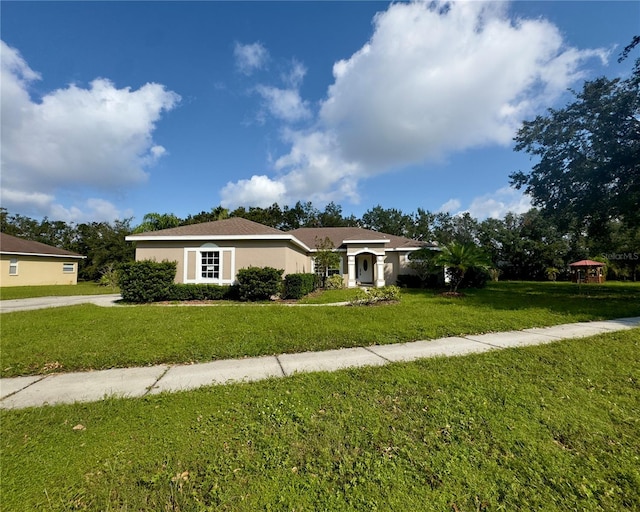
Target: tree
(588, 172)
(391, 221)
(157, 221)
(217, 213)
(103, 243)
(325, 258)
(459, 258)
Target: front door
(364, 265)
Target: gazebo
(587, 271)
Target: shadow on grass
(609, 300)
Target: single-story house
(28, 263)
(212, 252)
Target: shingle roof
(226, 227)
(311, 236)
(14, 245)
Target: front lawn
(90, 337)
(26, 292)
(553, 428)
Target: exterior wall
(235, 254)
(163, 251)
(37, 270)
(396, 263)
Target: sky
(111, 110)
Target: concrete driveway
(8, 306)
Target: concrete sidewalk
(9, 306)
(34, 391)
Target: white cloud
(97, 138)
(259, 191)
(450, 206)
(284, 104)
(499, 203)
(434, 78)
(250, 57)
(41, 205)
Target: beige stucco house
(27, 263)
(212, 252)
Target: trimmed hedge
(258, 283)
(180, 292)
(146, 281)
(297, 286)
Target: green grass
(553, 428)
(90, 337)
(26, 292)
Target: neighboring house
(27, 263)
(213, 252)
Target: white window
(210, 265)
(68, 268)
(13, 267)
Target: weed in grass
(552, 427)
(89, 337)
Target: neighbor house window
(210, 264)
(68, 268)
(13, 267)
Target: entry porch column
(351, 267)
(380, 271)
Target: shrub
(258, 283)
(179, 291)
(374, 295)
(334, 282)
(409, 281)
(146, 281)
(109, 276)
(297, 286)
(475, 277)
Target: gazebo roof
(586, 263)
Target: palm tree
(458, 258)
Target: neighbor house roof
(19, 246)
(341, 236)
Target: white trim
(367, 250)
(13, 262)
(198, 258)
(42, 254)
(377, 241)
(73, 268)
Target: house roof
(340, 236)
(586, 263)
(239, 228)
(13, 245)
(234, 226)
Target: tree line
(584, 184)
(528, 246)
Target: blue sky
(116, 109)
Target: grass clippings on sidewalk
(553, 427)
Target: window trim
(65, 268)
(222, 270)
(13, 265)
